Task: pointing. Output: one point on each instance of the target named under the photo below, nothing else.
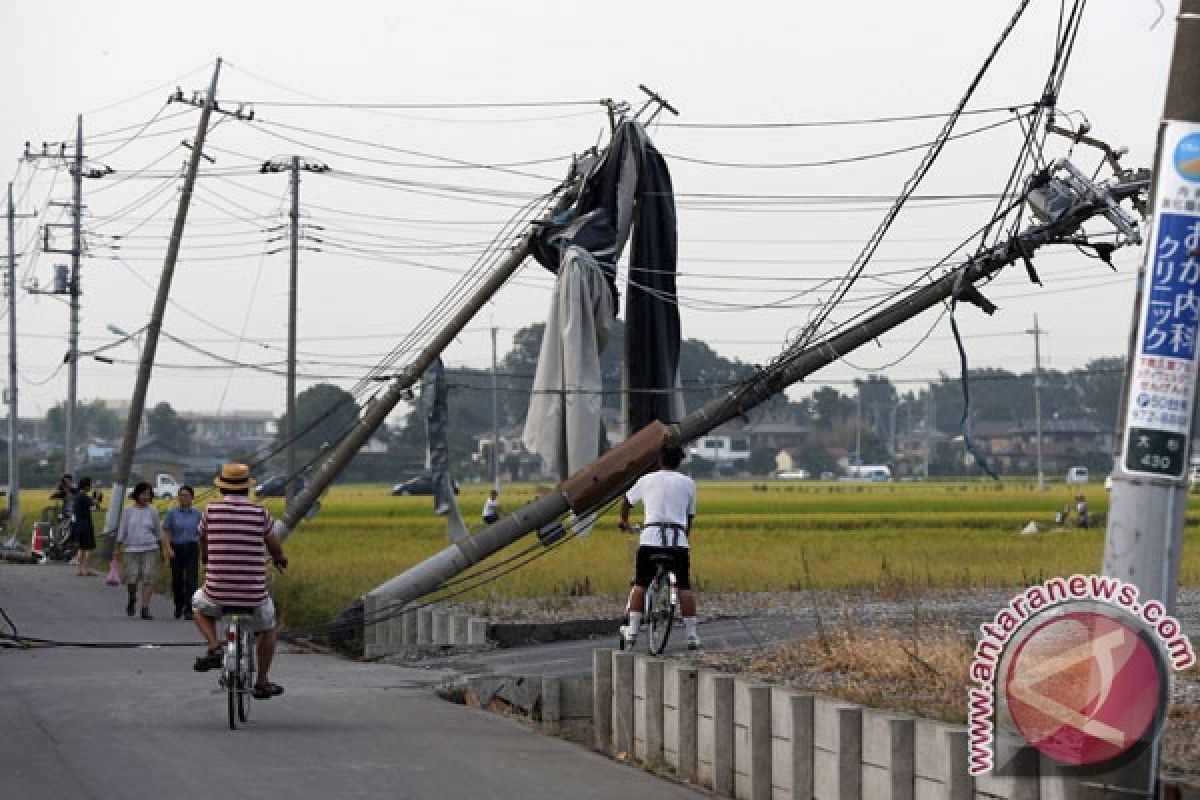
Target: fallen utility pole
(137, 404)
(381, 405)
(604, 479)
(1144, 541)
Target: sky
(406, 207)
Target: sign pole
(1149, 490)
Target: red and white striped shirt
(235, 531)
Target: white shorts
(262, 620)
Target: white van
(1077, 475)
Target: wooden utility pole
(137, 404)
(1144, 539)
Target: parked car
(1077, 475)
(421, 484)
(793, 475)
(165, 487)
(273, 486)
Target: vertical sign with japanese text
(1163, 385)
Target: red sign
(1085, 688)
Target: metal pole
(14, 478)
(137, 404)
(858, 429)
(495, 420)
(1144, 540)
(73, 293)
(928, 429)
(1037, 332)
(602, 481)
(293, 274)
(378, 409)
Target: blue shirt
(182, 524)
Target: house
(1065, 442)
(244, 429)
(153, 457)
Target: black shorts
(681, 565)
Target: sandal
(210, 660)
(267, 690)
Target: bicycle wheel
(245, 671)
(660, 611)
(233, 679)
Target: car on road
(273, 486)
(420, 485)
(1077, 475)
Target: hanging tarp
(627, 193)
(564, 424)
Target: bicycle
(238, 667)
(662, 600)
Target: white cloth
(491, 507)
(563, 425)
(668, 496)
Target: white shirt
(669, 496)
(491, 507)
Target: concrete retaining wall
(748, 740)
(398, 631)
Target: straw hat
(234, 476)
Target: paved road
(132, 724)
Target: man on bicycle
(233, 533)
(669, 498)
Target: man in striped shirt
(233, 534)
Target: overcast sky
(402, 214)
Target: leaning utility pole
(1037, 332)
(1144, 540)
(604, 479)
(378, 409)
(137, 404)
(293, 166)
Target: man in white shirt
(669, 498)
(491, 508)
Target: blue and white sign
(1163, 385)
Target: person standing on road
(491, 508)
(181, 537)
(83, 527)
(233, 534)
(140, 548)
(669, 498)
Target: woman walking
(83, 527)
(140, 548)
(183, 549)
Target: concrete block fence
(422, 627)
(745, 739)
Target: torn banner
(434, 400)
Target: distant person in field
(83, 527)
(140, 548)
(181, 535)
(669, 498)
(491, 507)
(235, 537)
(1081, 511)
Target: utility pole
(929, 426)
(293, 165)
(858, 429)
(495, 420)
(14, 476)
(72, 288)
(1037, 332)
(603, 479)
(137, 403)
(1144, 541)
